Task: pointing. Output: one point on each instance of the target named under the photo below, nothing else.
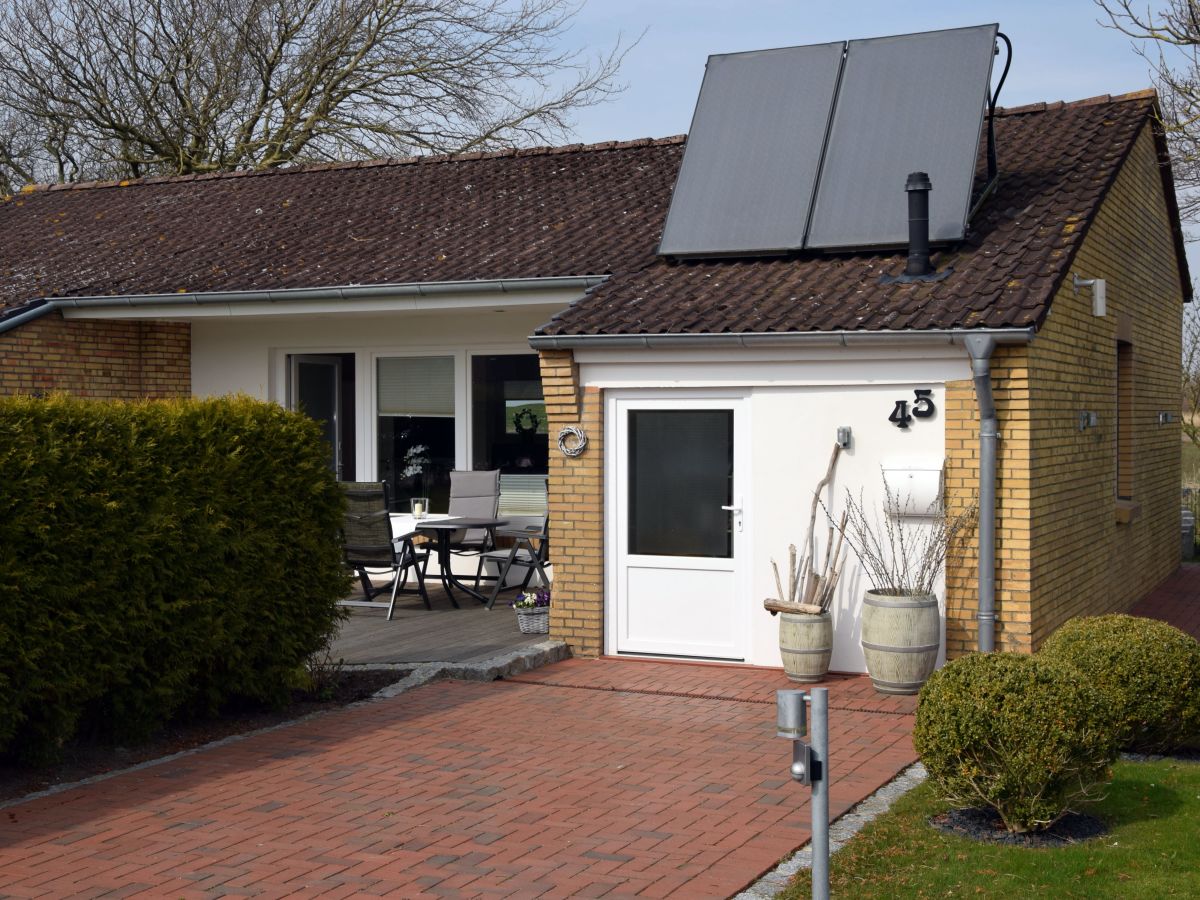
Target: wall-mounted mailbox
(914, 486)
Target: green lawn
(1152, 850)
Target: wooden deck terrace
(443, 634)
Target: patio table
(441, 529)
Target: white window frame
(366, 457)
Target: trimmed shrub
(1148, 671)
(157, 558)
(1017, 733)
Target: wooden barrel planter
(805, 643)
(900, 639)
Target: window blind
(523, 495)
(416, 386)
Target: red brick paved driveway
(586, 778)
(1176, 600)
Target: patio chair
(523, 531)
(523, 495)
(473, 495)
(369, 543)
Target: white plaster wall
(794, 431)
(245, 354)
(797, 401)
(249, 355)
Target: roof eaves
(1168, 182)
(1089, 219)
(38, 308)
(770, 339)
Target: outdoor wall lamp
(1087, 420)
(1099, 292)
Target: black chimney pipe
(918, 187)
(918, 268)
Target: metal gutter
(813, 338)
(26, 315)
(286, 295)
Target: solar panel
(746, 181)
(908, 103)
(809, 147)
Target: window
(322, 386)
(508, 415)
(680, 477)
(415, 414)
(1124, 420)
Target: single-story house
(460, 311)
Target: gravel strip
(840, 831)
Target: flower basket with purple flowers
(533, 611)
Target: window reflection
(508, 413)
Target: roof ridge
(305, 168)
(1098, 100)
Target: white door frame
(617, 401)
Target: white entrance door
(677, 527)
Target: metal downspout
(980, 348)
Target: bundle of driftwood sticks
(812, 580)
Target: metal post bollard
(810, 765)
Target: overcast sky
(1060, 51)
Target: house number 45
(922, 408)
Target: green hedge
(1148, 671)
(157, 558)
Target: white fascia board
(552, 300)
(775, 366)
(934, 348)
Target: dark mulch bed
(84, 758)
(982, 824)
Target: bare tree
(1191, 377)
(1169, 40)
(102, 88)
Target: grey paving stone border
(512, 663)
(840, 831)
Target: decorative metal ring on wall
(572, 441)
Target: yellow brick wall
(93, 358)
(576, 507)
(1059, 549)
(1084, 562)
(1010, 387)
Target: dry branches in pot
(902, 550)
(805, 624)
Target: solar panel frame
(941, 79)
(744, 188)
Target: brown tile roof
(579, 210)
(517, 214)
(1056, 163)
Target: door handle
(736, 509)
